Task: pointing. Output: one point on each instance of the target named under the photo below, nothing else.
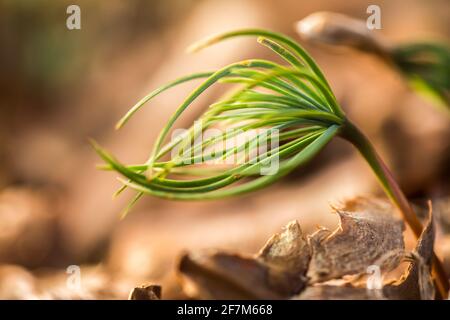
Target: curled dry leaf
(368, 234)
(146, 292)
(416, 283)
(276, 272)
(288, 250)
(220, 275)
(441, 208)
(290, 267)
(445, 247)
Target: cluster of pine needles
(294, 100)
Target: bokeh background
(60, 87)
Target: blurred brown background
(59, 87)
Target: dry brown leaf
(229, 276)
(441, 210)
(276, 272)
(368, 234)
(219, 275)
(416, 283)
(444, 244)
(146, 292)
(287, 250)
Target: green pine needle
(292, 101)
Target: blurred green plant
(294, 99)
(426, 65)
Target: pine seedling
(292, 101)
